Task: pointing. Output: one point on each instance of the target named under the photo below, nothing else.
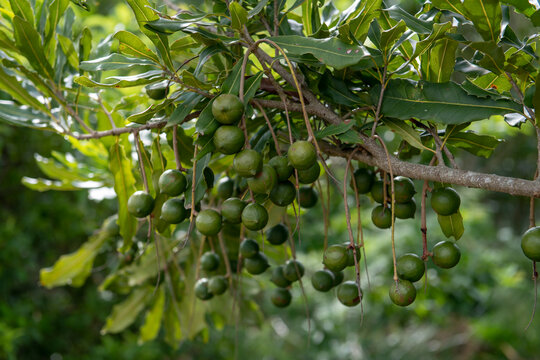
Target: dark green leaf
(257, 9)
(333, 130)
(418, 25)
(445, 103)
(251, 86)
(332, 52)
(390, 36)
(337, 90)
(452, 5)
(493, 56)
(479, 145)
(360, 18)
(206, 124)
(187, 102)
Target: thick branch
(513, 186)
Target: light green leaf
(239, 15)
(56, 10)
(144, 14)
(124, 186)
(85, 44)
(123, 81)
(146, 115)
(69, 51)
(486, 16)
(332, 52)
(13, 87)
(46, 185)
(406, 132)
(452, 225)
(113, 62)
(438, 32)
(452, 5)
(438, 63)
(152, 321)
(28, 41)
(23, 8)
(479, 145)
(390, 36)
(125, 313)
(362, 17)
(445, 103)
(129, 44)
(73, 269)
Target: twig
(107, 112)
(379, 103)
(141, 164)
(274, 137)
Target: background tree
(431, 85)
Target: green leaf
(14, 114)
(129, 44)
(451, 225)
(486, 16)
(251, 86)
(493, 59)
(187, 103)
(452, 5)
(56, 10)
(438, 63)
(123, 81)
(332, 52)
(310, 16)
(125, 313)
(113, 62)
(85, 44)
(479, 145)
(406, 132)
(331, 130)
(438, 32)
(152, 321)
(231, 84)
(536, 96)
(28, 42)
(445, 103)
(257, 9)
(144, 14)
(69, 51)
(362, 17)
(13, 87)
(189, 79)
(73, 269)
(124, 186)
(390, 36)
(56, 171)
(417, 25)
(239, 15)
(146, 115)
(337, 90)
(206, 123)
(46, 185)
(23, 9)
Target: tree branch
(472, 179)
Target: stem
(274, 137)
(379, 104)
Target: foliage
(426, 82)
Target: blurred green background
(477, 310)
